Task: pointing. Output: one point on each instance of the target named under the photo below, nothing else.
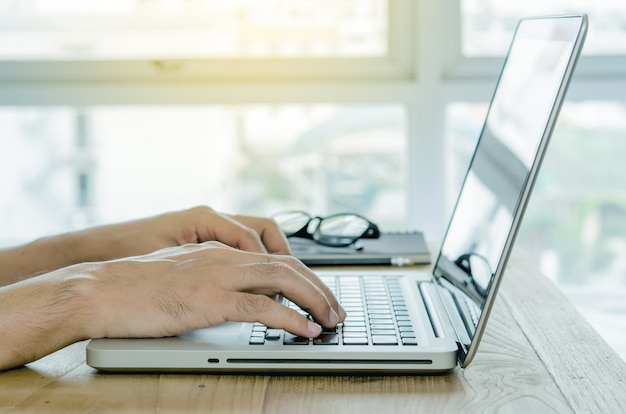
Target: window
(98, 164)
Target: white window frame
(396, 64)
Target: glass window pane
(162, 29)
(37, 190)
(487, 25)
(575, 224)
(72, 167)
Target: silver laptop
(402, 320)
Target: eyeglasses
(337, 230)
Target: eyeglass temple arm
(372, 232)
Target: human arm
(195, 225)
(170, 291)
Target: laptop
(401, 320)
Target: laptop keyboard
(377, 315)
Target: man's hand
(195, 225)
(179, 289)
(170, 291)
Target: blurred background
(120, 109)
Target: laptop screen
(510, 148)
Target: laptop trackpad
(226, 335)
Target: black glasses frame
(313, 231)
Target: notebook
(397, 249)
(401, 319)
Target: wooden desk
(538, 355)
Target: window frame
(396, 64)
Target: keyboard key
(409, 341)
(326, 339)
(360, 340)
(384, 340)
(384, 332)
(386, 306)
(378, 302)
(358, 334)
(354, 322)
(257, 340)
(383, 316)
(291, 339)
(353, 310)
(382, 325)
(355, 328)
(273, 334)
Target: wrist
(59, 314)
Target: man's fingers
(275, 277)
(250, 307)
(228, 231)
(272, 237)
(267, 267)
(262, 274)
(300, 268)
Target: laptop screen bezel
(444, 268)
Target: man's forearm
(100, 243)
(40, 256)
(42, 315)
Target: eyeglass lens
(338, 229)
(291, 222)
(344, 225)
